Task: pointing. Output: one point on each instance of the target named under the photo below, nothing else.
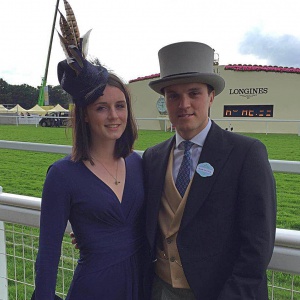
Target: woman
(99, 189)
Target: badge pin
(205, 169)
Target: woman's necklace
(115, 178)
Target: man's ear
(211, 98)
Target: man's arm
(257, 226)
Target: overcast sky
(126, 35)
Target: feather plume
(76, 54)
(74, 47)
(72, 22)
(85, 44)
(66, 31)
(64, 45)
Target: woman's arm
(55, 211)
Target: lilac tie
(183, 177)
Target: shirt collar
(198, 139)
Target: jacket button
(169, 241)
(172, 259)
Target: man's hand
(74, 240)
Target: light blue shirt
(196, 149)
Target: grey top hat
(187, 62)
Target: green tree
(58, 96)
(27, 96)
(5, 94)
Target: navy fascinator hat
(85, 87)
(85, 81)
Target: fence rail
(16, 119)
(25, 211)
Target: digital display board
(248, 111)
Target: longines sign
(248, 92)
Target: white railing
(15, 119)
(266, 121)
(25, 210)
(283, 166)
(232, 121)
(164, 119)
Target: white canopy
(3, 108)
(37, 110)
(56, 108)
(18, 108)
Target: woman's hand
(73, 240)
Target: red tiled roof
(238, 67)
(262, 68)
(145, 77)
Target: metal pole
(51, 39)
(44, 80)
(3, 262)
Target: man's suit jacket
(226, 237)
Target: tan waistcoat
(168, 265)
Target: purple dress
(110, 234)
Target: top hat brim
(216, 81)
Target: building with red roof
(256, 98)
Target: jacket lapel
(215, 152)
(156, 164)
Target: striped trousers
(161, 290)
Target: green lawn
(23, 172)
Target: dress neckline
(120, 201)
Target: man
(211, 201)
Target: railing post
(3, 265)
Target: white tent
(37, 110)
(57, 108)
(18, 108)
(3, 109)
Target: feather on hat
(84, 81)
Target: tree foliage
(58, 96)
(27, 96)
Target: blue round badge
(205, 169)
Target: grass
(23, 172)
